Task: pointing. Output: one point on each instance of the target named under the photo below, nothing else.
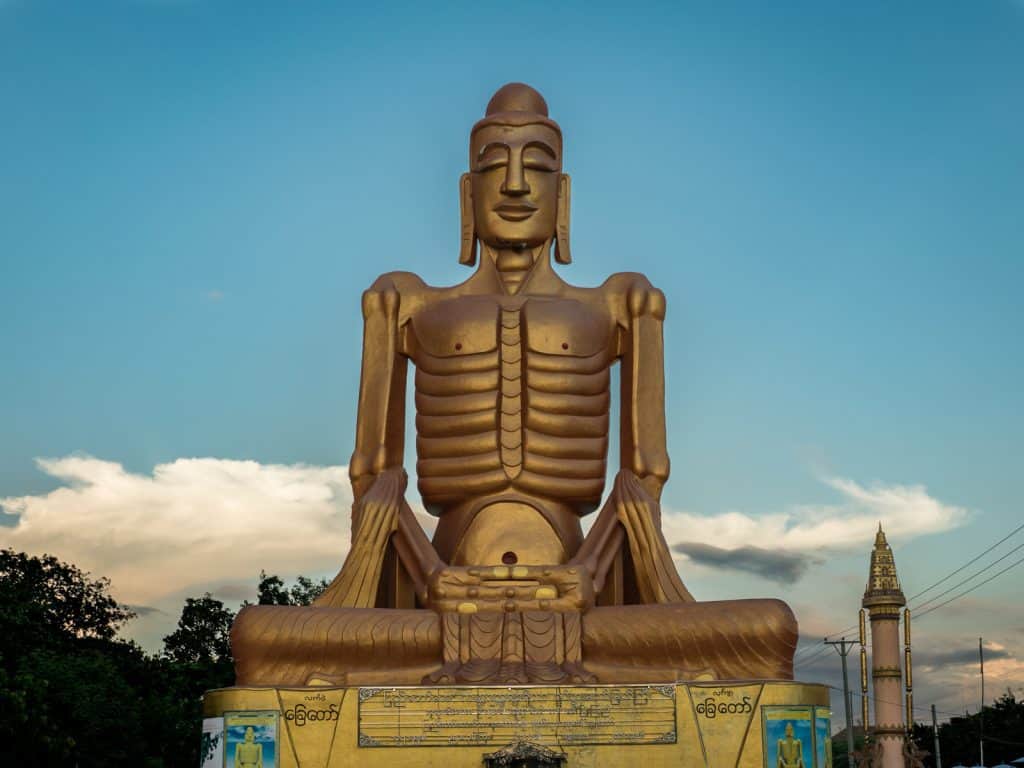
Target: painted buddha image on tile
(789, 737)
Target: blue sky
(194, 194)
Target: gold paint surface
(723, 716)
(508, 527)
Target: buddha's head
(789, 730)
(249, 734)
(515, 194)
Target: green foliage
(49, 599)
(61, 669)
(840, 759)
(958, 738)
(72, 693)
(202, 636)
(198, 658)
(272, 591)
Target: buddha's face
(249, 735)
(789, 730)
(515, 177)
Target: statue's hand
(629, 489)
(375, 517)
(640, 515)
(377, 509)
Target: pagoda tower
(884, 601)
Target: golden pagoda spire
(883, 587)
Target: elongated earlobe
(467, 251)
(562, 253)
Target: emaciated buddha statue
(790, 750)
(512, 394)
(249, 754)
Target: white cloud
(905, 511)
(206, 523)
(192, 522)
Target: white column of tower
(883, 599)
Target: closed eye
(540, 156)
(492, 156)
(538, 160)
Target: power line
(968, 591)
(815, 654)
(969, 578)
(948, 576)
(811, 649)
(842, 631)
(814, 657)
(917, 708)
(815, 651)
(1005, 741)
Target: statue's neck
(513, 265)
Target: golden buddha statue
(249, 754)
(512, 395)
(790, 750)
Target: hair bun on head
(517, 104)
(517, 97)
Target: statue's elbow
(380, 299)
(360, 466)
(651, 464)
(644, 300)
(657, 304)
(660, 468)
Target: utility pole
(843, 647)
(935, 732)
(981, 712)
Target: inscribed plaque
(495, 716)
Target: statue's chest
(247, 752)
(476, 325)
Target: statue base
(686, 725)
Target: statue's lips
(515, 211)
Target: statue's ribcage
(511, 417)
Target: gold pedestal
(687, 725)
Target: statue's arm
(380, 424)
(631, 515)
(640, 310)
(381, 519)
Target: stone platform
(707, 725)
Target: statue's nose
(515, 179)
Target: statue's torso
(790, 753)
(512, 394)
(248, 754)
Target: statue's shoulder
(406, 289)
(401, 282)
(623, 282)
(631, 294)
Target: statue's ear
(467, 251)
(562, 253)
